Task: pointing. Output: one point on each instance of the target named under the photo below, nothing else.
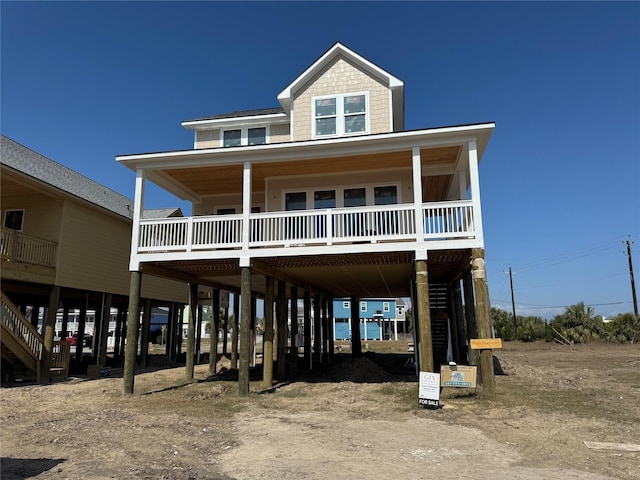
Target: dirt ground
(357, 419)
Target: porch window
(386, 222)
(355, 197)
(385, 195)
(340, 115)
(295, 201)
(324, 199)
(13, 219)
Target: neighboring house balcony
(27, 254)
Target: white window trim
(4, 218)
(363, 306)
(386, 307)
(346, 304)
(244, 134)
(339, 189)
(340, 115)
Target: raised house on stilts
(324, 196)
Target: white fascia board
(309, 149)
(391, 81)
(258, 120)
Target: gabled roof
(162, 213)
(395, 84)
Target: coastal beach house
(64, 245)
(325, 196)
(380, 318)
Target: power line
(567, 257)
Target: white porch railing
(386, 223)
(20, 247)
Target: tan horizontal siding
(94, 255)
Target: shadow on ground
(21, 468)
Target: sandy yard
(359, 419)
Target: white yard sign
(429, 392)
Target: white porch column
(462, 182)
(138, 208)
(475, 190)
(246, 213)
(421, 251)
(417, 194)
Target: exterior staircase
(22, 346)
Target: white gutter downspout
(138, 208)
(246, 214)
(474, 182)
(421, 251)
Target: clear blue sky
(560, 181)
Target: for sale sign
(429, 391)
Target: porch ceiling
(227, 179)
(364, 275)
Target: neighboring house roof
(162, 213)
(28, 162)
(240, 113)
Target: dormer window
(244, 136)
(339, 115)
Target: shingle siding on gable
(341, 77)
(207, 139)
(279, 133)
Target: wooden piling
(49, 333)
(104, 330)
(317, 332)
(144, 333)
(191, 331)
(131, 347)
(213, 331)
(425, 351)
(307, 329)
(267, 335)
(281, 319)
(234, 331)
(483, 314)
(245, 334)
(356, 343)
(294, 330)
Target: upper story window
(13, 219)
(340, 115)
(244, 136)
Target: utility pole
(633, 284)
(513, 305)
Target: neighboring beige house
(328, 196)
(66, 242)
